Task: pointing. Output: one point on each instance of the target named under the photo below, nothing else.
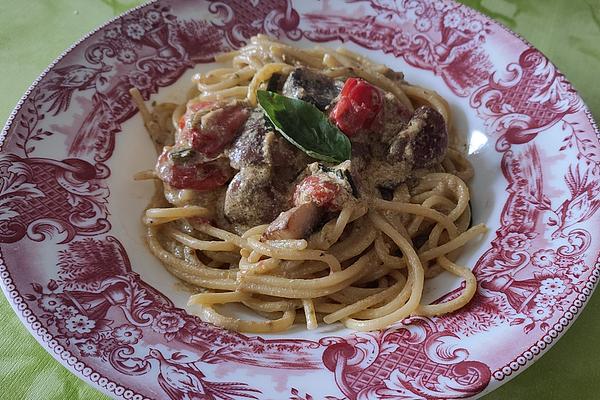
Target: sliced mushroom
(311, 86)
(423, 143)
(295, 223)
(253, 199)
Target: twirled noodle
(362, 268)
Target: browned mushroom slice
(259, 144)
(311, 86)
(295, 223)
(423, 143)
(252, 199)
(431, 143)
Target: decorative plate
(75, 268)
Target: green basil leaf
(306, 127)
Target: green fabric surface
(33, 33)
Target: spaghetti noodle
(364, 264)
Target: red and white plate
(75, 268)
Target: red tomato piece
(193, 108)
(199, 177)
(195, 176)
(360, 103)
(200, 105)
(218, 129)
(321, 192)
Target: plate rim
(54, 350)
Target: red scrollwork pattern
(520, 286)
(439, 36)
(42, 197)
(532, 98)
(111, 315)
(242, 20)
(411, 362)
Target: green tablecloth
(34, 32)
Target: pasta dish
(308, 185)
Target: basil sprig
(306, 127)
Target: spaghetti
(364, 264)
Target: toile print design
(68, 197)
(535, 273)
(42, 197)
(528, 98)
(115, 317)
(85, 319)
(520, 286)
(439, 36)
(527, 278)
(413, 361)
(147, 50)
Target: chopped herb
(183, 155)
(342, 174)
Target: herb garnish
(182, 156)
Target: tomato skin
(201, 105)
(200, 177)
(218, 128)
(197, 176)
(193, 108)
(360, 103)
(319, 191)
